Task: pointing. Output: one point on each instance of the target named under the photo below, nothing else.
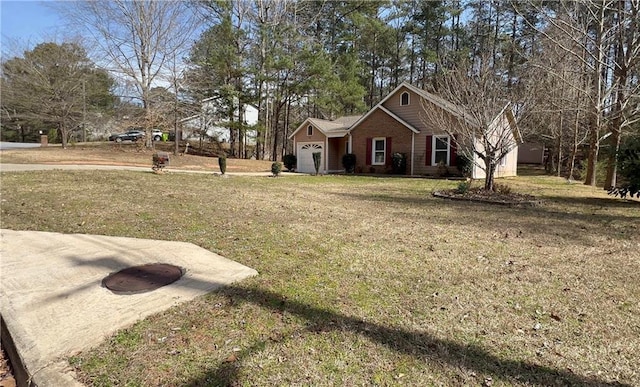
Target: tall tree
(137, 39)
(54, 85)
(604, 37)
(220, 72)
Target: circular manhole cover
(140, 279)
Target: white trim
(373, 150)
(325, 162)
(433, 148)
(408, 98)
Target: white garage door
(305, 158)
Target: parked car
(129, 135)
(156, 134)
(135, 135)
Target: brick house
(395, 125)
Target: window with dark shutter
(441, 150)
(379, 151)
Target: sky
(27, 23)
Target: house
(395, 125)
(210, 121)
(327, 137)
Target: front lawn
(363, 280)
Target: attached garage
(304, 154)
(327, 137)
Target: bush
(399, 163)
(317, 156)
(628, 170)
(276, 168)
(502, 189)
(463, 187)
(465, 165)
(290, 161)
(222, 163)
(442, 171)
(349, 162)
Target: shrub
(399, 163)
(222, 163)
(316, 161)
(290, 161)
(465, 165)
(502, 189)
(349, 162)
(442, 171)
(276, 168)
(628, 170)
(463, 187)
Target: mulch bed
(483, 196)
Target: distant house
(211, 122)
(393, 126)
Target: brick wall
(379, 124)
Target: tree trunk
(620, 80)
(559, 146)
(490, 175)
(63, 135)
(574, 146)
(597, 108)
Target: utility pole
(84, 111)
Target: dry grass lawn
(125, 154)
(363, 281)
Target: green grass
(363, 280)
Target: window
(309, 130)
(503, 161)
(404, 99)
(379, 151)
(440, 150)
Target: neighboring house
(393, 126)
(211, 123)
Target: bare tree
(604, 36)
(51, 86)
(558, 87)
(471, 111)
(138, 39)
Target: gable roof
(440, 102)
(379, 106)
(336, 128)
